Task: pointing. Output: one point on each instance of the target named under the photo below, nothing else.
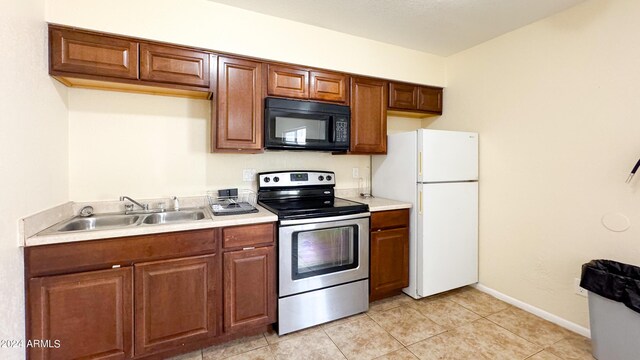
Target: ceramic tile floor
(460, 324)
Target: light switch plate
(579, 290)
(248, 174)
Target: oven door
(323, 252)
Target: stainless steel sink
(98, 222)
(115, 221)
(174, 216)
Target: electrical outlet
(579, 290)
(248, 174)
(356, 173)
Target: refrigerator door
(447, 156)
(447, 243)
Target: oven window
(299, 131)
(324, 251)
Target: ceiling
(441, 27)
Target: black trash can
(614, 309)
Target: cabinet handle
(249, 248)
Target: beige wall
(33, 149)
(154, 146)
(224, 28)
(556, 105)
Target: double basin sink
(115, 221)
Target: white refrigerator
(436, 171)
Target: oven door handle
(324, 219)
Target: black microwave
(306, 125)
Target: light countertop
(262, 216)
(32, 226)
(380, 204)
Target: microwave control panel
(342, 130)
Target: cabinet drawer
(249, 235)
(103, 254)
(390, 219)
(172, 65)
(98, 55)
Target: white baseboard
(535, 311)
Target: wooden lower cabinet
(89, 313)
(389, 262)
(389, 258)
(150, 296)
(175, 302)
(249, 288)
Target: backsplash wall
(155, 146)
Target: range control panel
(296, 178)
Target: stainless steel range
(323, 248)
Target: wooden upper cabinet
(302, 83)
(287, 81)
(249, 288)
(329, 86)
(415, 98)
(238, 125)
(430, 99)
(89, 313)
(175, 302)
(368, 116)
(403, 96)
(174, 65)
(99, 55)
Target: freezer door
(447, 156)
(447, 242)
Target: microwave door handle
(332, 128)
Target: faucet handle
(86, 211)
(128, 207)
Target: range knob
(320, 177)
(267, 179)
(328, 177)
(276, 179)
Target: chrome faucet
(144, 207)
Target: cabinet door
(89, 313)
(175, 302)
(430, 99)
(249, 288)
(368, 116)
(288, 82)
(98, 55)
(239, 107)
(329, 86)
(172, 65)
(389, 262)
(403, 96)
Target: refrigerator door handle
(420, 203)
(420, 163)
